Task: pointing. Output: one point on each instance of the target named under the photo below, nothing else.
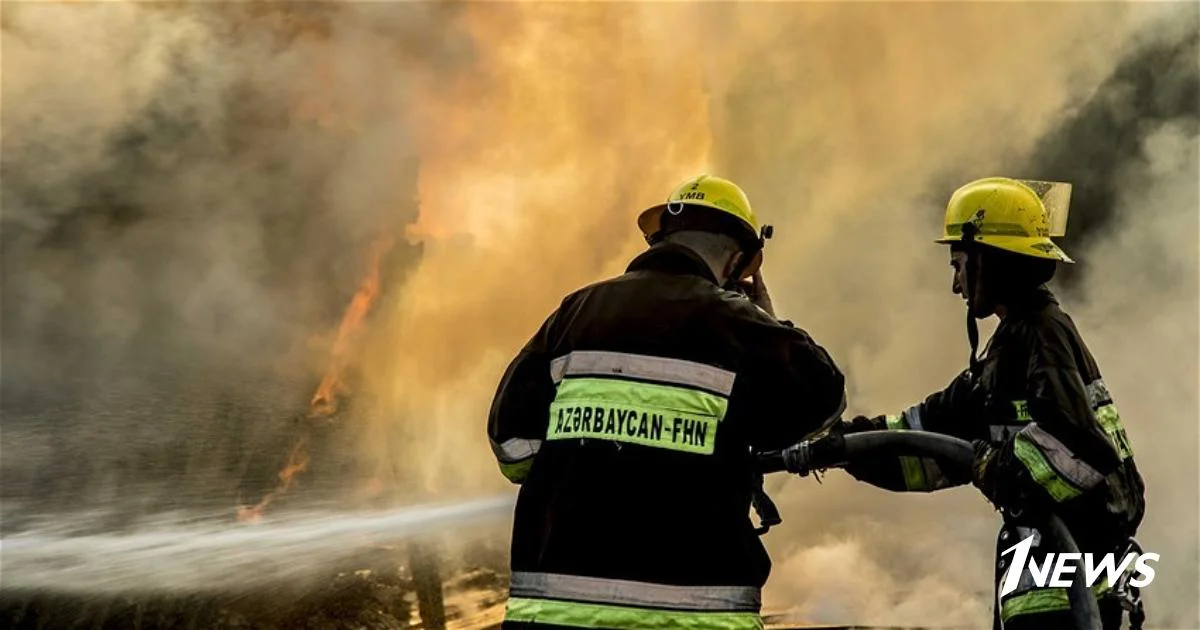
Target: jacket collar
(674, 259)
(1032, 301)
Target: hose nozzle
(825, 452)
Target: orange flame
(324, 403)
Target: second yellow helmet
(1004, 213)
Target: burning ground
(262, 262)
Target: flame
(544, 198)
(324, 403)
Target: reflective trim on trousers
(629, 593)
(1042, 600)
(643, 367)
(580, 615)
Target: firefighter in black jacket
(630, 417)
(1046, 430)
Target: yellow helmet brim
(650, 220)
(1035, 246)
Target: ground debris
(355, 599)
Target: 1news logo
(1057, 565)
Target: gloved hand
(828, 451)
(982, 470)
(859, 424)
(819, 453)
(1005, 483)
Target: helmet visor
(1056, 196)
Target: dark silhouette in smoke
(1156, 85)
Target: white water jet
(191, 557)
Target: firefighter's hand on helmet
(756, 290)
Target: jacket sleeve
(520, 409)
(803, 390)
(1063, 452)
(940, 412)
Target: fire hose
(952, 454)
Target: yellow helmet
(1009, 214)
(712, 192)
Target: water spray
(191, 557)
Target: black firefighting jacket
(629, 419)
(1039, 399)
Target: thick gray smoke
(1102, 146)
(186, 213)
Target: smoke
(1102, 144)
(188, 202)
(176, 239)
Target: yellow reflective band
(913, 469)
(647, 414)
(610, 617)
(516, 472)
(1022, 409)
(1041, 470)
(1043, 600)
(1110, 420)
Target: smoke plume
(191, 195)
(189, 200)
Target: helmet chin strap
(972, 326)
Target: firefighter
(1046, 430)
(629, 420)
